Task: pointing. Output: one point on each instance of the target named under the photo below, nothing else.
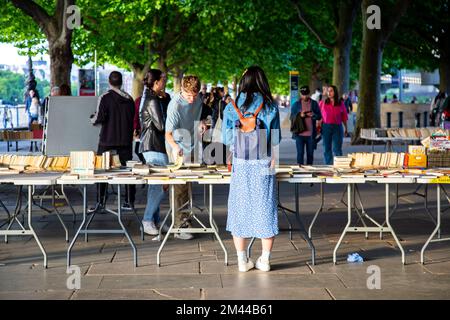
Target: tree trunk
(444, 74)
(316, 78)
(58, 34)
(368, 115)
(138, 82)
(163, 65)
(341, 67)
(373, 43)
(177, 78)
(61, 59)
(343, 45)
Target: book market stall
(426, 165)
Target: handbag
(298, 125)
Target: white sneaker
(245, 266)
(150, 228)
(262, 264)
(184, 236)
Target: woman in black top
(153, 112)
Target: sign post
(293, 86)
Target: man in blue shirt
(184, 127)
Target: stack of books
(125, 176)
(58, 164)
(343, 162)
(378, 160)
(141, 169)
(368, 133)
(69, 176)
(83, 162)
(115, 161)
(132, 163)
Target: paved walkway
(195, 269)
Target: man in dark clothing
(115, 113)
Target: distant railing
(12, 117)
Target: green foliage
(420, 39)
(11, 87)
(217, 40)
(20, 29)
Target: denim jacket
(269, 116)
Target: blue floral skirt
(252, 201)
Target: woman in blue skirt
(251, 127)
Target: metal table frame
(360, 211)
(83, 228)
(378, 227)
(30, 181)
(212, 229)
(436, 230)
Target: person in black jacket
(115, 113)
(153, 116)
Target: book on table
(125, 176)
(212, 176)
(141, 169)
(69, 176)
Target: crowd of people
(242, 133)
(248, 128)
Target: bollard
(388, 119)
(417, 120)
(400, 119)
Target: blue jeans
(31, 118)
(155, 193)
(333, 137)
(301, 143)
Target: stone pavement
(195, 269)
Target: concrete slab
(138, 294)
(399, 280)
(272, 294)
(36, 295)
(389, 294)
(125, 268)
(160, 281)
(259, 279)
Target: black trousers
(125, 154)
(136, 151)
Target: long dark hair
(151, 77)
(254, 80)
(337, 99)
